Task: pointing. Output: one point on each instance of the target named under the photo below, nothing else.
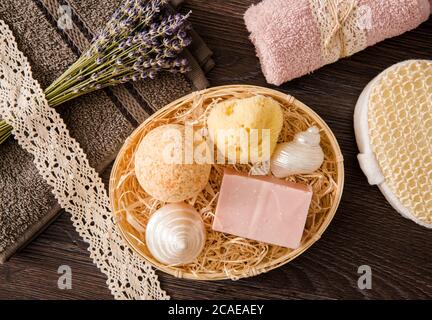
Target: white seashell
(301, 156)
(175, 234)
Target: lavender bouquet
(141, 39)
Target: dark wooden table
(365, 230)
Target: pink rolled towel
(295, 37)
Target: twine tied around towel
(338, 28)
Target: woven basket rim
(273, 264)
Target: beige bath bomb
(232, 122)
(163, 170)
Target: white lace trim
(63, 164)
(340, 37)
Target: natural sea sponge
(238, 126)
(161, 167)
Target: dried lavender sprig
(130, 17)
(167, 49)
(107, 79)
(140, 40)
(138, 12)
(148, 48)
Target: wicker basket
(226, 256)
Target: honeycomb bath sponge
(393, 126)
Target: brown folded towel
(100, 122)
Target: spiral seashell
(303, 155)
(175, 234)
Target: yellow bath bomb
(162, 168)
(238, 128)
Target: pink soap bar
(262, 208)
